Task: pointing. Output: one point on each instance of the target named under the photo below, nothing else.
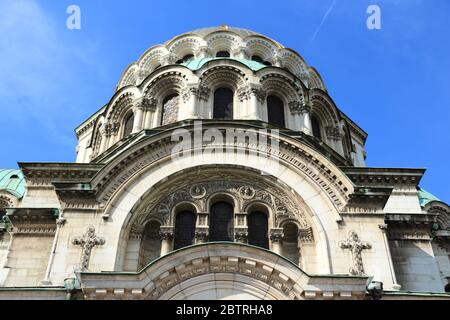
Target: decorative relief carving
(88, 241)
(283, 206)
(235, 265)
(356, 246)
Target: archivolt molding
(276, 83)
(7, 200)
(157, 149)
(223, 40)
(260, 46)
(198, 186)
(162, 84)
(324, 108)
(220, 75)
(186, 44)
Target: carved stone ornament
(197, 192)
(88, 241)
(356, 246)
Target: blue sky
(393, 82)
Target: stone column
(149, 104)
(276, 239)
(105, 133)
(190, 100)
(138, 115)
(294, 107)
(395, 285)
(306, 126)
(256, 95)
(166, 235)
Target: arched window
(169, 112)
(221, 222)
(184, 229)
(186, 58)
(275, 111)
(257, 59)
(151, 243)
(290, 247)
(267, 63)
(223, 54)
(315, 124)
(223, 104)
(447, 287)
(258, 228)
(128, 125)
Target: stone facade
(106, 227)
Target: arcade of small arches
(212, 211)
(221, 93)
(221, 42)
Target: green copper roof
(425, 197)
(12, 181)
(196, 64)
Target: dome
(12, 181)
(243, 45)
(240, 31)
(425, 197)
(196, 64)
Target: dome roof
(425, 197)
(196, 64)
(12, 181)
(239, 31)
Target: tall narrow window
(223, 104)
(169, 112)
(128, 125)
(221, 227)
(223, 54)
(290, 247)
(275, 111)
(151, 243)
(315, 124)
(257, 229)
(184, 229)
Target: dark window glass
(223, 104)
(221, 227)
(315, 124)
(223, 54)
(447, 287)
(290, 242)
(267, 63)
(257, 59)
(275, 111)
(184, 229)
(257, 229)
(128, 125)
(151, 243)
(186, 58)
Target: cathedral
(220, 168)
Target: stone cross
(356, 246)
(87, 242)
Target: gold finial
(224, 26)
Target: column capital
(241, 234)
(295, 107)
(276, 234)
(202, 234)
(189, 91)
(166, 232)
